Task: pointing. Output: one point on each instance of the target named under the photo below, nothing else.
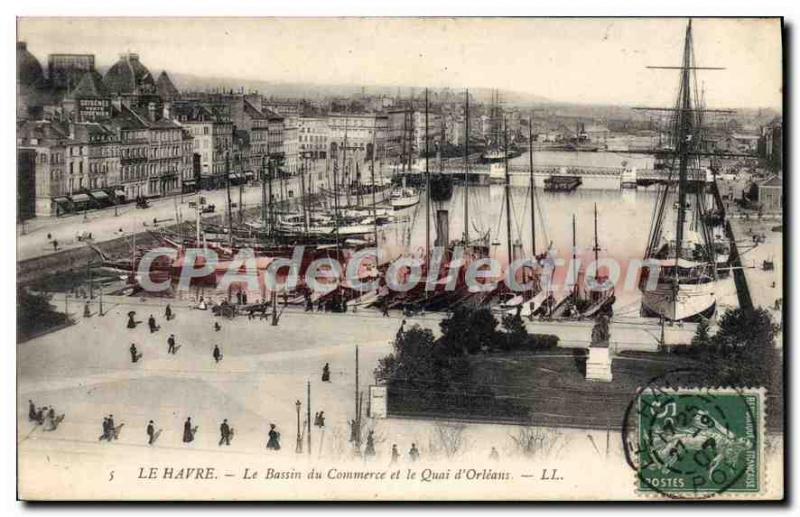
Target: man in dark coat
(134, 353)
(326, 373)
(414, 452)
(106, 433)
(112, 430)
(151, 322)
(171, 344)
(151, 432)
(217, 354)
(168, 312)
(225, 433)
(395, 454)
(188, 431)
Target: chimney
(151, 111)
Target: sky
(598, 61)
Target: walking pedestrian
(86, 311)
(217, 354)
(106, 433)
(274, 438)
(217, 327)
(188, 431)
(369, 450)
(326, 373)
(151, 432)
(112, 429)
(385, 309)
(135, 355)
(395, 454)
(55, 245)
(151, 322)
(171, 349)
(494, 455)
(225, 433)
(168, 312)
(413, 453)
(50, 420)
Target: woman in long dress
(188, 432)
(274, 436)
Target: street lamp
(299, 447)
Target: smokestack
(442, 229)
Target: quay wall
(739, 278)
(77, 259)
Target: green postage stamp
(700, 442)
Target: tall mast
(372, 178)
(508, 193)
(303, 197)
(427, 188)
(596, 244)
(466, 171)
(228, 190)
(336, 205)
(344, 161)
(684, 124)
(574, 262)
(263, 193)
(271, 209)
(533, 185)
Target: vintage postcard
(400, 259)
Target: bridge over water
(592, 177)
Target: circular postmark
(686, 441)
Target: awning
(235, 176)
(60, 200)
(81, 198)
(189, 182)
(119, 193)
(99, 194)
(250, 174)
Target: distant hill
(300, 90)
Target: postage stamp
(700, 442)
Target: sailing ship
(404, 197)
(684, 262)
(496, 150)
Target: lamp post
(299, 447)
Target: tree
(35, 314)
(449, 439)
(468, 330)
(413, 357)
(743, 350)
(516, 335)
(701, 338)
